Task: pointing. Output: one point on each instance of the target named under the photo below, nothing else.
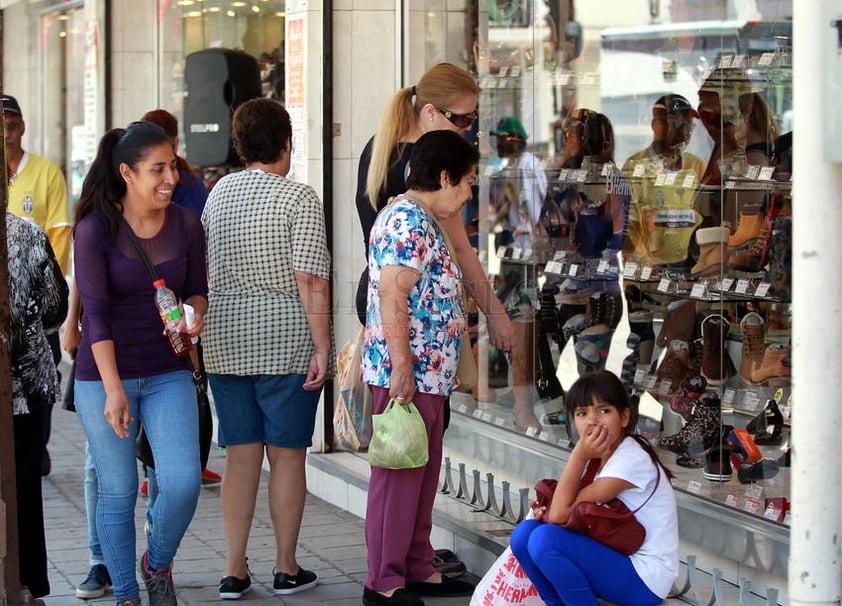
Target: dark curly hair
(261, 130)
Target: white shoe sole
(293, 590)
(234, 595)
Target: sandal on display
(762, 470)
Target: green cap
(510, 126)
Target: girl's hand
(595, 443)
(117, 413)
(538, 513)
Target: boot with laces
(640, 323)
(701, 431)
(679, 322)
(712, 243)
(773, 370)
(158, 583)
(748, 232)
(755, 257)
(675, 367)
(753, 329)
(717, 367)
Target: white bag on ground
(506, 584)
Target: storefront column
(815, 567)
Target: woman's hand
(71, 339)
(538, 513)
(501, 332)
(317, 372)
(117, 412)
(402, 383)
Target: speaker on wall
(218, 80)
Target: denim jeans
(166, 404)
(90, 508)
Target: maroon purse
(612, 524)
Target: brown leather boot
(712, 254)
(772, 371)
(679, 322)
(748, 232)
(753, 329)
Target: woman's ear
(125, 172)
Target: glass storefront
(634, 213)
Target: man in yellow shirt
(38, 193)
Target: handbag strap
(593, 467)
(198, 372)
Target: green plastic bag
(400, 438)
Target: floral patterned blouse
(404, 234)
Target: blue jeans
(90, 508)
(166, 404)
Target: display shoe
(712, 243)
(716, 363)
(675, 366)
(748, 231)
(640, 323)
(718, 465)
(755, 257)
(575, 325)
(701, 431)
(772, 371)
(785, 460)
(559, 417)
(612, 310)
(767, 427)
(688, 395)
(753, 329)
(762, 470)
(630, 362)
(780, 258)
(679, 322)
(592, 348)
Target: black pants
(55, 347)
(32, 547)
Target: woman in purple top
(125, 369)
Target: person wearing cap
(37, 193)
(517, 191)
(663, 179)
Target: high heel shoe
(767, 427)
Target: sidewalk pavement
(332, 541)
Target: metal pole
(815, 567)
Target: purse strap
(198, 372)
(593, 467)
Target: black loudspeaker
(218, 80)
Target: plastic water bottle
(167, 304)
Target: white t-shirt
(656, 562)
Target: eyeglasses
(459, 120)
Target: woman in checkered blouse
(268, 341)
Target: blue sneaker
(95, 584)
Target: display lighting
(231, 13)
(185, 2)
(238, 4)
(193, 14)
(255, 8)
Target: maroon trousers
(399, 514)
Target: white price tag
(486, 416)
(694, 486)
(689, 182)
(787, 518)
(645, 273)
(650, 381)
(564, 174)
(660, 179)
(664, 387)
(574, 269)
(504, 70)
(729, 184)
(581, 175)
(639, 376)
(553, 267)
(514, 72)
(499, 421)
(517, 253)
(532, 431)
(738, 61)
(563, 442)
(501, 252)
(639, 169)
(462, 408)
(606, 170)
(751, 506)
(731, 500)
(742, 286)
(698, 291)
(602, 266)
(545, 436)
(753, 491)
(630, 269)
(527, 253)
(772, 513)
(751, 401)
(559, 255)
(753, 171)
(664, 285)
(728, 396)
(725, 61)
(766, 59)
(670, 178)
(766, 173)
(477, 414)
(726, 285)
(762, 289)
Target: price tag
(725, 61)
(544, 436)
(477, 414)
(639, 376)
(788, 518)
(486, 416)
(751, 506)
(751, 401)
(553, 267)
(753, 491)
(581, 175)
(753, 171)
(664, 285)
(602, 266)
(689, 182)
(645, 273)
(564, 79)
(786, 411)
(574, 269)
(504, 70)
(694, 486)
(766, 173)
(731, 500)
(670, 178)
(698, 291)
(728, 396)
(726, 285)
(517, 253)
(772, 513)
(639, 169)
(501, 252)
(660, 179)
(559, 255)
(730, 184)
(499, 421)
(514, 72)
(630, 269)
(564, 174)
(563, 442)
(650, 381)
(742, 286)
(779, 394)
(664, 387)
(462, 408)
(606, 169)
(532, 431)
(766, 59)
(762, 289)
(738, 61)
(527, 253)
